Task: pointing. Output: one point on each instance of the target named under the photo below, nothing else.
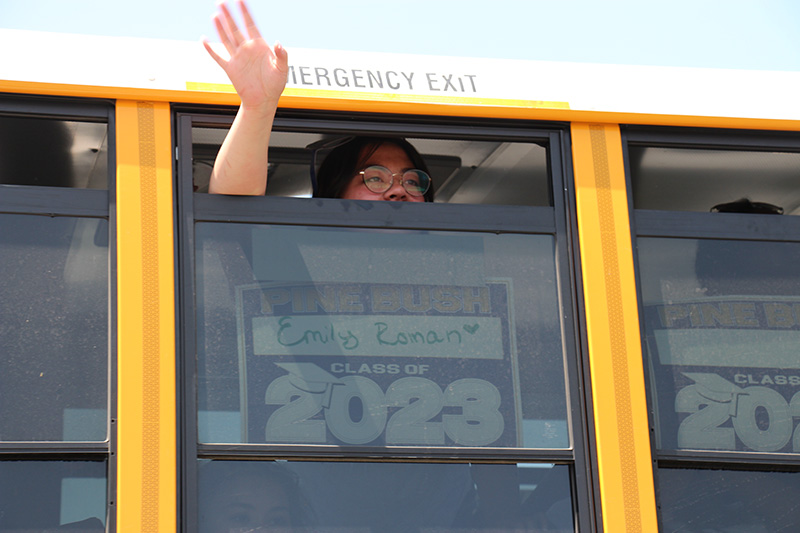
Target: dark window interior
(691, 179)
(53, 152)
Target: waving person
(366, 168)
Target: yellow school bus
(601, 333)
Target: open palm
(258, 72)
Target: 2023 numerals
(761, 418)
(414, 402)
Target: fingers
(233, 39)
(229, 30)
(252, 29)
(281, 57)
(223, 35)
(215, 56)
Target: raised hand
(258, 72)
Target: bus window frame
(557, 220)
(647, 223)
(657, 223)
(79, 203)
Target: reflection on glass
(239, 496)
(367, 337)
(52, 496)
(53, 153)
(723, 326)
(53, 328)
(383, 497)
(728, 501)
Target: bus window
(52, 496)
(463, 171)
(720, 301)
(54, 334)
(383, 496)
(391, 336)
(53, 152)
(56, 398)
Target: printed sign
(727, 374)
(378, 364)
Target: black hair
(342, 164)
(214, 474)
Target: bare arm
(258, 73)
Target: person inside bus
(362, 168)
(251, 496)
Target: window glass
(728, 501)
(390, 497)
(463, 171)
(52, 496)
(53, 328)
(722, 319)
(689, 179)
(53, 153)
(372, 337)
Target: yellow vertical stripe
(615, 355)
(146, 404)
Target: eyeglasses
(380, 179)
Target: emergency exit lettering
(451, 82)
(386, 80)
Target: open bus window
(53, 152)
(463, 171)
(356, 337)
(52, 496)
(693, 179)
(390, 497)
(53, 328)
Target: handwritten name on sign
(378, 320)
(379, 335)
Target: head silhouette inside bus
(250, 496)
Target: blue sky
(739, 34)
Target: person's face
(249, 504)
(395, 159)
